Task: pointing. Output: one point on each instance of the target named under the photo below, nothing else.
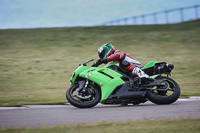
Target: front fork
(84, 88)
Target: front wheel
(80, 99)
(164, 95)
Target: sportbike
(112, 85)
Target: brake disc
(82, 95)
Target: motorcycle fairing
(152, 64)
(106, 78)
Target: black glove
(104, 60)
(94, 65)
(100, 61)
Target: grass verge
(149, 126)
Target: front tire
(82, 103)
(162, 97)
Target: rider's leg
(140, 73)
(132, 68)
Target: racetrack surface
(52, 115)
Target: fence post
(166, 16)
(143, 19)
(182, 14)
(135, 20)
(196, 11)
(125, 21)
(155, 18)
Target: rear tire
(79, 102)
(156, 98)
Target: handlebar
(84, 64)
(94, 65)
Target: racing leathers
(127, 62)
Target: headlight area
(72, 76)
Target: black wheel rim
(163, 91)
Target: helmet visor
(102, 54)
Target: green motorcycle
(112, 85)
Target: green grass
(36, 64)
(150, 126)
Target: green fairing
(107, 84)
(77, 72)
(154, 76)
(152, 64)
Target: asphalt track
(52, 115)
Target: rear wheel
(81, 99)
(166, 94)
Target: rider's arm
(112, 57)
(116, 56)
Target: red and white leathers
(128, 63)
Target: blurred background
(42, 42)
(73, 13)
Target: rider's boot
(142, 78)
(140, 73)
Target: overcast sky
(59, 13)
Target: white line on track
(194, 98)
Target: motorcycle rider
(107, 53)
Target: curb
(194, 98)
